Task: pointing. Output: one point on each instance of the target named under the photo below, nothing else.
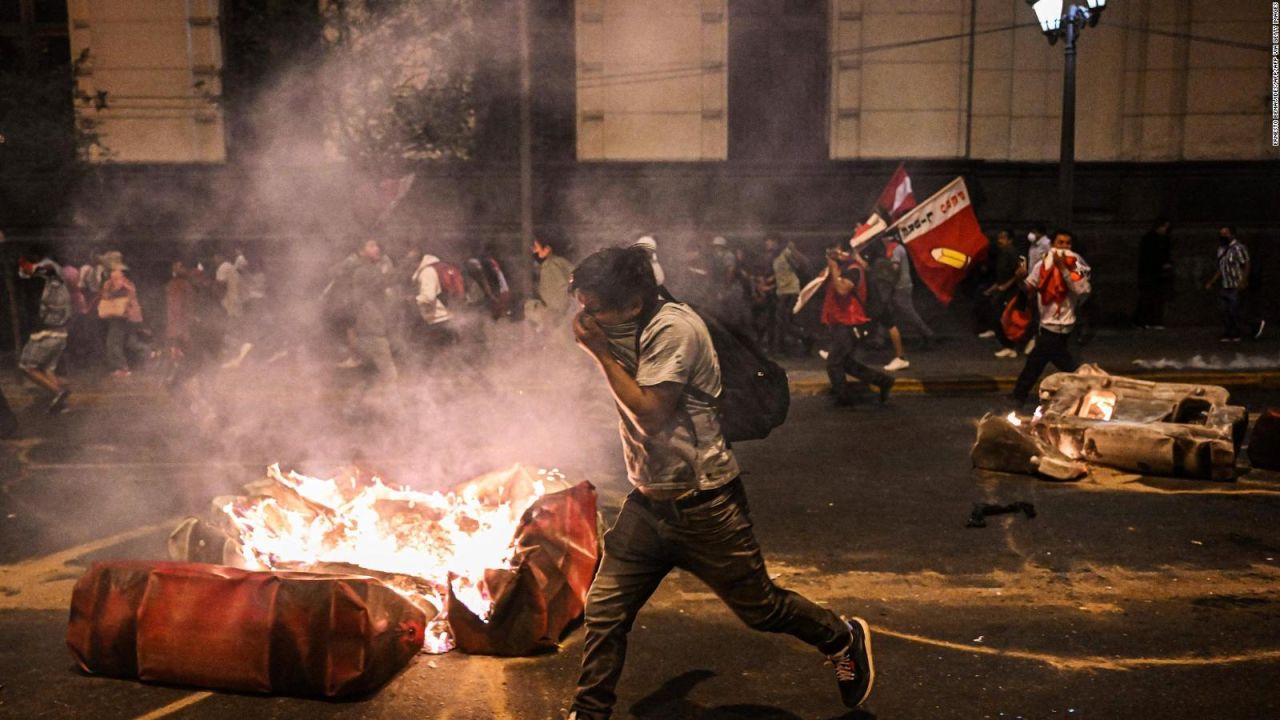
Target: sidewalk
(966, 365)
(958, 365)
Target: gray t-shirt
(904, 266)
(690, 453)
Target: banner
(943, 238)
(897, 197)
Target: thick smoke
(502, 393)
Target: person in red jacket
(843, 311)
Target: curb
(1003, 384)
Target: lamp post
(1066, 18)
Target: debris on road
(978, 518)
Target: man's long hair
(617, 276)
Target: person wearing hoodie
(1060, 284)
(429, 297)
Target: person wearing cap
(119, 307)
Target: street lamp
(1067, 18)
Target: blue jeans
(714, 540)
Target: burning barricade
(1091, 418)
(329, 586)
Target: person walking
(1060, 283)
(844, 313)
(904, 308)
(688, 508)
(1155, 270)
(1233, 272)
(790, 273)
(1003, 287)
(549, 310)
(119, 307)
(39, 358)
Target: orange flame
(300, 522)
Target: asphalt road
(1138, 598)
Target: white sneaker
(897, 364)
(824, 354)
(987, 334)
(349, 363)
(1031, 345)
(1007, 353)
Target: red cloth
(1053, 288)
(848, 309)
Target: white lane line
(1066, 662)
(175, 706)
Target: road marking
(174, 707)
(1089, 663)
(45, 583)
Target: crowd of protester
(387, 308)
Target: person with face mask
(688, 508)
(551, 272)
(1060, 284)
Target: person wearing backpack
(435, 284)
(688, 508)
(844, 312)
(39, 358)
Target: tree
(399, 78)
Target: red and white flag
(897, 197)
(867, 230)
(943, 238)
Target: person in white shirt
(426, 283)
(1060, 283)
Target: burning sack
(556, 555)
(293, 633)
(1091, 418)
(519, 542)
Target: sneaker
(824, 354)
(1031, 345)
(987, 334)
(897, 364)
(349, 363)
(59, 401)
(120, 373)
(1006, 353)
(884, 391)
(1262, 325)
(855, 671)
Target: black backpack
(754, 392)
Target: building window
(651, 79)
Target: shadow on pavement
(669, 703)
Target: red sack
(1016, 318)
(557, 549)
(1264, 443)
(230, 629)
